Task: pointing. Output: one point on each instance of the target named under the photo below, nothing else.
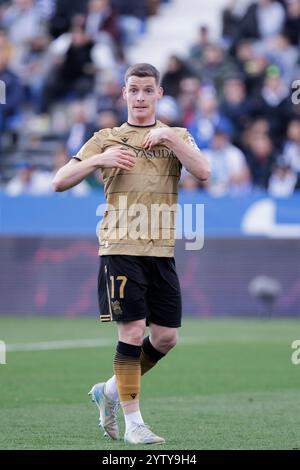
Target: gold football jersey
(140, 217)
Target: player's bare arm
(75, 171)
(193, 160)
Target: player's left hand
(155, 137)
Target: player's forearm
(193, 160)
(72, 174)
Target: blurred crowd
(63, 64)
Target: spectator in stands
(231, 17)
(109, 97)
(206, 118)
(291, 150)
(255, 128)
(229, 171)
(101, 19)
(279, 51)
(64, 12)
(168, 111)
(10, 112)
(81, 129)
(292, 22)
(107, 119)
(33, 70)
(235, 105)
(46, 8)
(132, 14)
(27, 180)
(250, 87)
(189, 91)
(214, 66)
(34, 182)
(261, 155)
(273, 103)
(196, 51)
(175, 72)
(153, 7)
(23, 22)
(74, 74)
(283, 181)
(251, 65)
(263, 19)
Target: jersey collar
(144, 127)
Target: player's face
(141, 95)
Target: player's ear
(124, 93)
(160, 92)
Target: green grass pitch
(229, 384)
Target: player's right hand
(116, 157)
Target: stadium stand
(230, 80)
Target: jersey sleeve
(92, 147)
(189, 139)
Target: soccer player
(138, 286)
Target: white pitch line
(64, 344)
(72, 344)
(102, 342)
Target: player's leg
(122, 287)
(106, 401)
(161, 340)
(123, 387)
(154, 347)
(126, 302)
(164, 301)
(127, 368)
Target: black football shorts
(136, 287)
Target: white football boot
(108, 410)
(141, 434)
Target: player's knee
(132, 333)
(134, 338)
(172, 341)
(167, 341)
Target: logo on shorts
(133, 395)
(124, 139)
(116, 307)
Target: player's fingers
(126, 161)
(128, 152)
(125, 151)
(129, 155)
(123, 166)
(150, 144)
(128, 158)
(145, 141)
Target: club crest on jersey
(116, 307)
